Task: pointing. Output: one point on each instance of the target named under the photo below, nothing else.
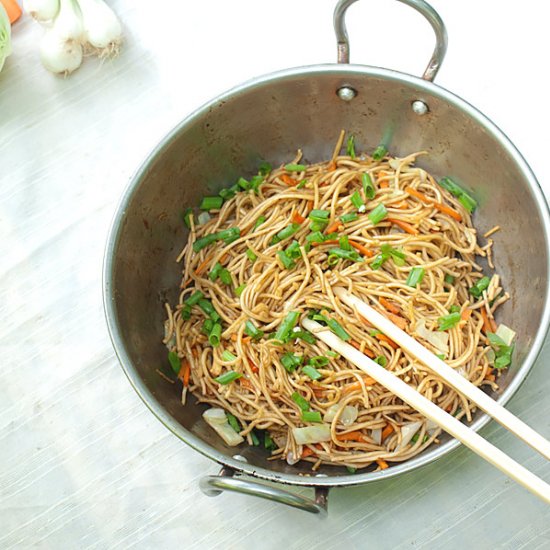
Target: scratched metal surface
(82, 462)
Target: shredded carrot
(396, 320)
(224, 257)
(317, 391)
(490, 376)
(285, 178)
(331, 167)
(297, 218)
(356, 386)
(242, 233)
(383, 337)
(387, 431)
(382, 175)
(331, 241)
(336, 225)
(382, 463)
(407, 227)
(402, 205)
(439, 205)
(489, 325)
(307, 451)
(384, 185)
(186, 283)
(389, 306)
(253, 367)
(203, 265)
(466, 314)
(245, 383)
(309, 206)
(185, 372)
(351, 436)
(357, 345)
(362, 249)
(244, 339)
(12, 9)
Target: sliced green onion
(211, 203)
(332, 354)
(415, 276)
(379, 152)
(225, 276)
(318, 361)
(319, 215)
(305, 336)
(398, 256)
(215, 334)
(300, 401)
(295, 167)
(285, 233)
(449, 279)
(228, 235)
(293, 250)
(215, 271)
(448, 321)
(315, 237)
(201, 243)
(415, 438)
(254, 437)
(503, 352)
(368, 186)
(351, 469)
(378, 214)
(312, 372)
(302, 184)
(378, 261)
(243, 184)
(441, 356)
(311, 416)
(175, 361)
(338, 253)
(287, 262)
(291, 361)
(318, 226)
(227, 194)
(207, 326)
(239, 290)
(228, 356)
(374, 332)
(255, 182)
(227, 377)
(187, 217)
(268, 442)
(347, 218)
(259, 222)
(264, 169)
(350, 148)
(338, 329)
(454, 308)
(233, 422)
(251, 330)
(357, 201)
(186, 312)
(343, 241)
(208, 308)
(285, 328)
(251, 256)
(463, 197)
(381, 360)
(194, 298)
(480, 286)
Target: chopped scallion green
(285, 328)
(343, 241)
(319, 215)
(187, 217)
(378, 214)
(215, 334)
(239, 290)
(208, 308)
(463, 197)
(300, 401)
(315, 237)
(225, 276)
(312, 372)
(215, 271)
(319, 361)
(295, 167)
(311, 416)
(357, 201)
(227, 377)
(287, 262)
(368, 186)
(251, 256)
(381, 360)
(268, 442)
(251, 330)
(285, 233)
(302, 184)
(175, 361)
(379, 152)
(334, 254)
(480, 286)
(305, 336)
(347, 218)
(228, 356)
(211, 203)
(449, 279)
(415, 276)
(447, 322)
(291, 361)
(264, 169)
(233, 422)
(350, 148)
(194, 298)
(293, 250)
(259, 221)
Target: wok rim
(117, 224)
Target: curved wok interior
(270, 120)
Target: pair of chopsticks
(429, 409)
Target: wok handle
(214, 485)
(419, 5)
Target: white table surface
(83, 463)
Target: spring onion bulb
(61, 47)
(42, 10)
(102, 29)
(5, 35)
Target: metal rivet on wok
(345, 93)
(419, 107)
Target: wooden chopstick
(455, 379)
(430, 410)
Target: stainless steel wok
(269, 118)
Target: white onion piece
(41, 10)
(407, 433)
(311, 434)
(377, 436)
(204, 217)
(394, 163)
(101, 27)
(184, 395)
(438, 339)
(506, 334)
(347, 417)
(216, 419)
(291, 459)
(431, 427)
